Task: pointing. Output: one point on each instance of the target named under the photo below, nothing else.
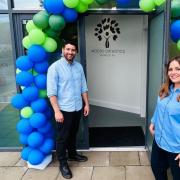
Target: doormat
(116, 136)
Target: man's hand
(178, 158)
(152, 129)
(86, 110)
(59, 116)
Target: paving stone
(21, 163)
(9, 158)
(49, 173)
(95, 159)
(12, 173)
(124, 158)
(139, 173)
(79, 173)
(109, 173)
(144, 158)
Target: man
(66, 87)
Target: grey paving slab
(79, 173)
(139, 173)
(95, 159)
(124, 158)
(12, 173)
(109, 173)
(49, 173)
(144, 158)
(9, 158)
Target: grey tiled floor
(100, 166)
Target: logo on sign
(107, 29)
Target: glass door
(155, 68)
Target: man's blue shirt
(166, 120)
(67, 82)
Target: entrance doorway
(116, 60)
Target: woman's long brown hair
(164, 90)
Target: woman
(165, 125)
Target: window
(3, 4)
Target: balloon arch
(35, 130)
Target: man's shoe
(78, 158)
(65, 171)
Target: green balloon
(159, 2)
(41, 20)
(34, 72)
(50, 45)
(30, 26)
(26, 42)
(56, 22)
(178, 45)
(26, 112)
(51, 33)
(42, 93)
(87, 1)
(147, 5)
(18, 71)
(71, 3)
(81, 7)
(175, 8)
(101, 2)
(36, 36)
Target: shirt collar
(174, 90)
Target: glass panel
(9, 115)
(155, 67)
(30, 4)
(3, 4)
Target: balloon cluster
(150, 5)
(175, 25)
(35, 130)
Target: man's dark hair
(65, 42)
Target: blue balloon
(24, 78)
(37, 53)
(23, 63)
(40, 81)
(70, 15)
(47, 146)
(30, 93)
(39, 105)
(23, 138)
(175, 30)
(50, 134)
(35, 139)
(35, 157)
(123, 3)
(25, 153)
(37, 120)
(54, 6)
(41, 67)
(49, 113)
(18, 101)
(46, 128)
(23, 126)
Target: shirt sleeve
(83, 82)
(52, 80)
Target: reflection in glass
(8, 115)
(3, 4)
(30, 4)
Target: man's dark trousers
(66, 134)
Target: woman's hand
(152, 129)
(59, 116)
(178, 158)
